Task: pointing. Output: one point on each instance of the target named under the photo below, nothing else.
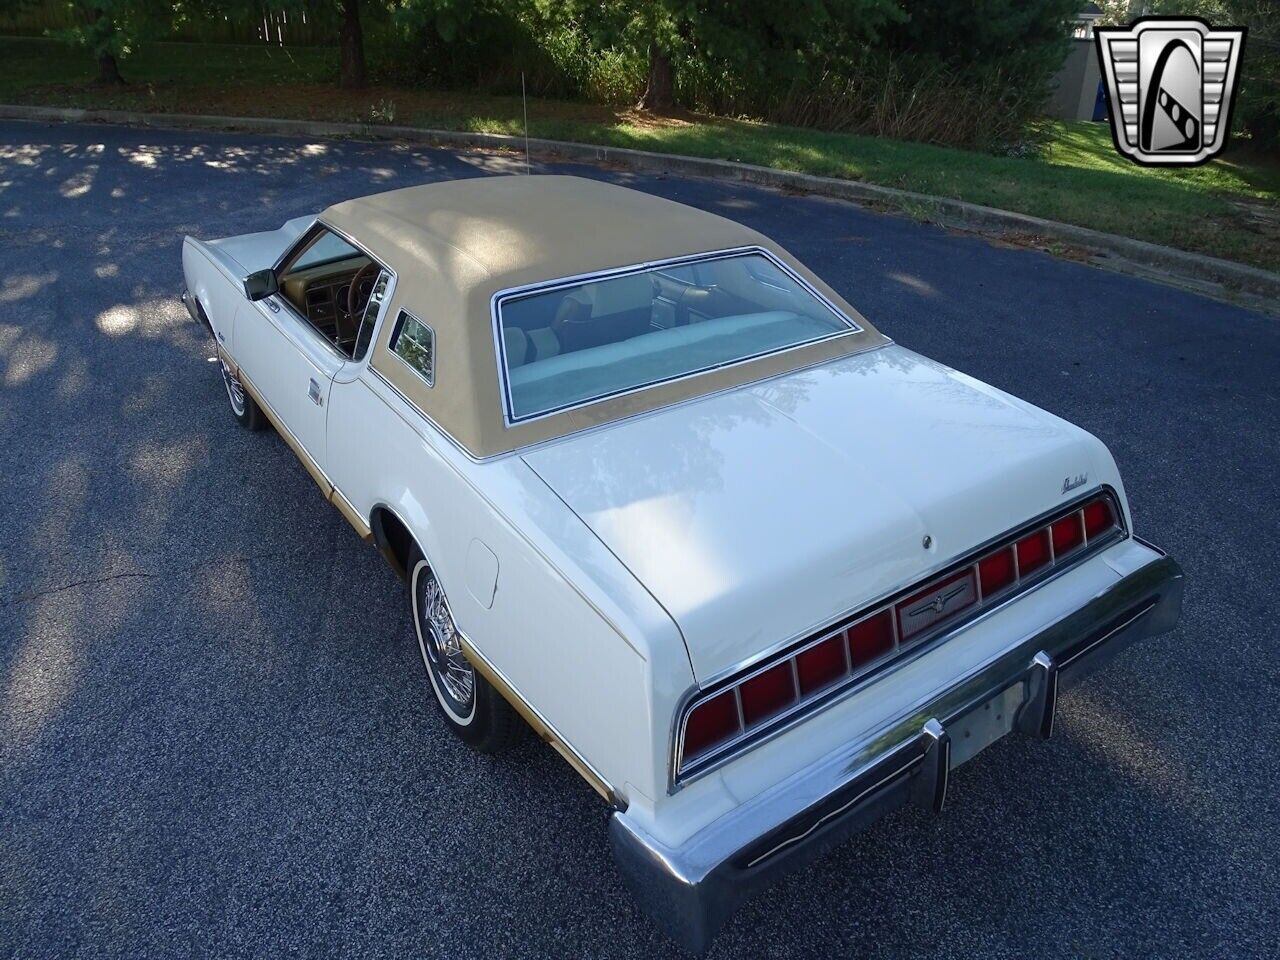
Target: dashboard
(321, 294)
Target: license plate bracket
(975, 730)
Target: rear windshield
(581, 342)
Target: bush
(615, 77)
(915, 99)
(943, 73)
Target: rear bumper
(691, 890)
(189, 301)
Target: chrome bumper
(692, 890)
(189, 302)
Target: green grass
(1228, 208)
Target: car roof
(522, 229)
(455, 245)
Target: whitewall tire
(472, 708)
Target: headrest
(516, 346)
(571, 310)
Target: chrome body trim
(595, 428)
(516, 293)
(902, 653)
(690, 890)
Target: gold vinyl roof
(454, 245)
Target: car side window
(415, 343)
(331, 284)
(326, 248)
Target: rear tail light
(1098, 518)
(1067, 534)
(996, 571)
(1033, 552)
(710, 724)
(871, 638)
(834, 660)
(767, 693)
(822, 665)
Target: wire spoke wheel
(235, 389)
(451, 672)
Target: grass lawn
(1228, 208)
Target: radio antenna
(524, 102)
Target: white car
(759, 574)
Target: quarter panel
(568, 627)
(217, 291)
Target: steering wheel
(354, 306)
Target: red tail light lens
(1033, 552)
(831, 660)
(1098, 518)
(711, 723)
(871, 638)
(996, 571)
(767, 693)
(1067, 534)
(821, 665)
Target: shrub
(914, 98)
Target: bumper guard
(692, 890)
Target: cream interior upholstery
(516, 346)
(621, 293)
(545, 342)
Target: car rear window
(575, 342)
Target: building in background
(1077, 92)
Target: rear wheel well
(393, 539)
(204, 317)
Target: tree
(110, 29)
(352, 73)
(757, 43)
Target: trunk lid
(760, 515)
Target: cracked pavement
(216, 739)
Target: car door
(355, 440)
(290, 356)
(289, 368)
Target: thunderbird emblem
(939, 603)
(1170, 85)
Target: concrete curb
(1208, 275)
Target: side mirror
(260, 285)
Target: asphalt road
(215, 737)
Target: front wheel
(243, 407)
(473, 709)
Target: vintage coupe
(758, 573)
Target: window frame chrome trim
(548, 286)
(316, 225)
(854, 681)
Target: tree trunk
(352, 75)
(659, 92)
(108, 69)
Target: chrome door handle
(272, 304)
(313, 391)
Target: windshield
(586, 341)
